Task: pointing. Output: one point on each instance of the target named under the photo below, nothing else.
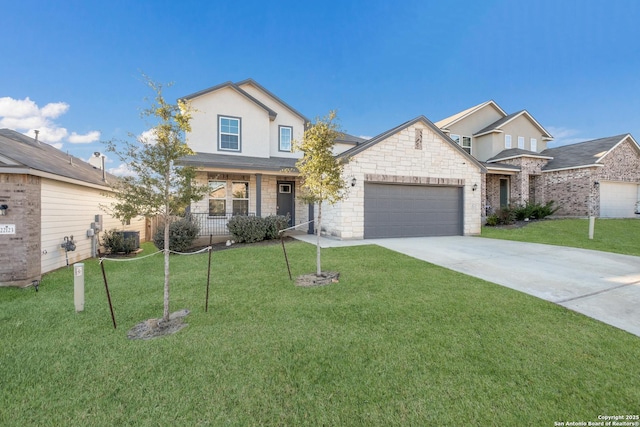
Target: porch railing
(213, 225)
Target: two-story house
(599, 177)
(411, 180)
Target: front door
(286, 200)
(504, 192)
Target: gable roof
(22, 154)
(227, 161)
(384, 135)
(237, 87)
(512, 153)
(584, 154)
(233, 86)
(272, 95)
(496, 126)
(448, 121)
(345, 138)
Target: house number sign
(7, 229)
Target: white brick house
(412, 180)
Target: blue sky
(73, 68)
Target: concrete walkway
(601, 285)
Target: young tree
(320, 170)
(157, 187)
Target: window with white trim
(534, 144)
(507, 141)
(228, 133)
(463, 141)
(286, 137)
(521, 142)
(240, 198)
(217, 198)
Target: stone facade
(20, 252)
(399, 159)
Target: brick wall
(20, 252)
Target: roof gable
(451, 120)
(24, 152)
(237, 89)
(585, 154)
(497, 126)
(384, 135)
(270, 94)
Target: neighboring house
(409, 181)
(49, 196)
(520, 167)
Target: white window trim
(234, 198)
(280, 128)
(507, 141)
(533, 144)
(219, 198)
(465, 146)
(220, 133)
(521, 142)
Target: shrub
(247, 229)
(535, 211)
(506, 216)
(114, 242)
(182, 234)
(275, 223)
(492, 220)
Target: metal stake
(206, 304)
(285, 255)
(106, 287)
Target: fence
(213, 225)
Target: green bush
(114, 242)
(492, 220)
(247, 229)
(250, 229)
(182, 233)
(275, 223)
(535, 210)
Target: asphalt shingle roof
(581, 154)
(22, 152)
(240, 162)
(515, 152)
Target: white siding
(69, 210)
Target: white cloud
(24, 115)
(121, 170)
(88, 137)
(148, 137)
(564, 136)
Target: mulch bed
(154, 328)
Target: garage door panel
(392, 210)
(618, 199)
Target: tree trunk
(167, 223)
(318, 228)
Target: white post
(592, 224)
(78, 286)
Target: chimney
(36, 131)
(104, 171)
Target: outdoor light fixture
(353, 181)
(475, 187)
(3, 209)
(596, 184)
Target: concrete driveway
(601, 285)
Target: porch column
(311, 224)
(258, 194)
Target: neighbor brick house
(409, 181)
(49, 196)
(599, 177)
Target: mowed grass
(396, 342)
(610, 235)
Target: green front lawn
(396, 342)
(610, 235)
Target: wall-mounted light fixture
(353, 181)
(475, 187)
(596, 184)
(3, 209)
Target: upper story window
(521, 142)
(286, 137)
(534, 144)
(463, 141)
(228, 133)
(507, 141)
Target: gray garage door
(392, 210)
